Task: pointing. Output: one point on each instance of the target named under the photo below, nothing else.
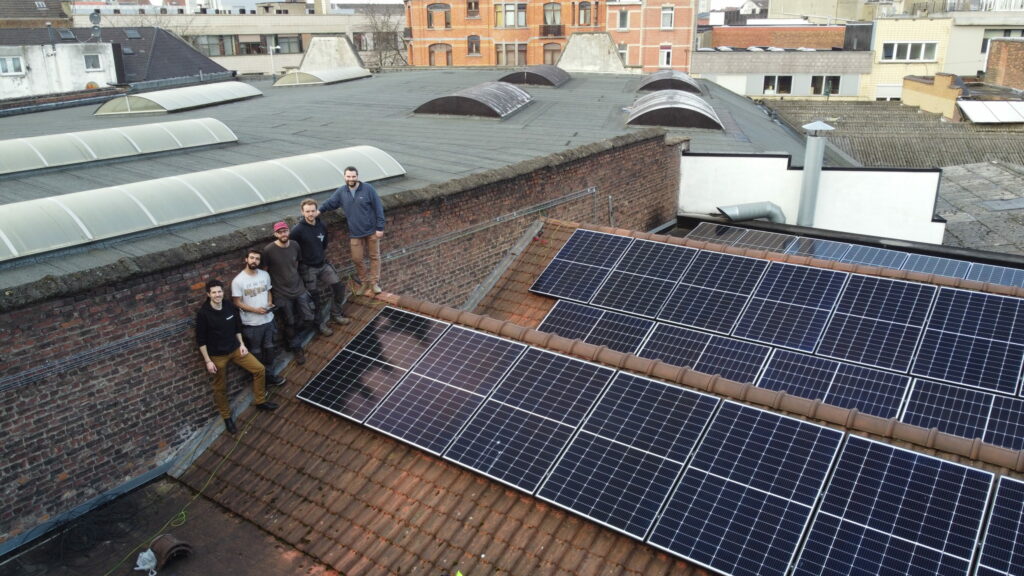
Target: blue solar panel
(817, 248)
(717, 233)
(581, 265)
(872, 256)
(675, 345)
(1001, 275)
(366, 370)
(799, 374)
(1002, 552)
(445, 388)
(745, 499)
(936, 265)
(732, 359)
(1006, 423)
(713, 291)
(974, 339)
(643, 278)
(951, 409)
(893, 511)
(619, 469)
(656, 260)
(877, 322)
(619, 332)
(525, 424)
(791, 306)
(761, 240)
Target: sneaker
(355, 287)
(324, 329)
(300, 356)
(277, 380)
(229, 426)
(339, 319)
(267, 406)
(376, 289)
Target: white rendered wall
(885, 203)
(56, 69)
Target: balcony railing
(549, 30)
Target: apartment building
(649, 34)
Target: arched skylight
(178, 99)
(311, 77)
(673, 108)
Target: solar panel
(713, 291)
(878, 322)
(619, 469)
(527, 421)
(642, 280)
(790, 306)
(817, 248)
(952, 409)
(761, 240)
(618, 332)
(936, 265)
(363, 373)
(1002, 552)
(974, 339)
(732, 359)
(893, 511)
(1006, 423)
(744, 501)
(444, 388)
(581, 265)
(1001, 275)
(872, 256)
(717, 233)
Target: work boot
(324, 330)
(267, 406)
(300, 356)
(229, 425)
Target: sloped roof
(28, 9)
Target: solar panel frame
(764, 240)
(937, 265)
(1002, 275)
(952, 409)
(716, 233)
(818, 248)
(581, 265)
(874, 256)
(620, 332)
(674, 345)
(713, 291)
(1005, 424)
(1002, 548)
(643, 278)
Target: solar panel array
(864, 338)
(727, 486)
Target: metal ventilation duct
(47, 224)
(314, 77)
(178, 99)
(674, 109)
(26, 154)
(490, 100)
(669, 80)
(540, 75)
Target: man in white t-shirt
(250, 293)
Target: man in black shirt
(311, 236)
(219, 336)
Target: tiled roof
(363, 503)
(29, 9)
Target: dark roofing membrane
(669, 80)
(673, 108)
(540, 75)
(490, 99)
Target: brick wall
(935, 94)
(1005, 63)
(819, 37)
(100, 374)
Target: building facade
(649, 34)
(56, 68)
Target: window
(361, 41)
(552, 13)
(908, 51)
(440, 55)
(132, 34)
(623, 19)
(552, 52)
(778, 84)
(92, 62)
(510, 15)
(251, 44)
(665, 57)
(824, 85)
(472, 8)
(584, 14)
(473, 45)
(386, 40)
(11, 66)
(510, 54)
(41, 5)
(289, 44)
(668, 17)
(439, 16)
(624, 54)
(216, 45)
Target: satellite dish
(94, 18)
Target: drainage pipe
(754, 210)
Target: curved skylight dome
(674, 109)
(178, 99)
(314, 77)
(490, 99)
(669, 80)
(26, 154)
(38, 226)
(540, 75)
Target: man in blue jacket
(365, 215)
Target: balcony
(551, 30)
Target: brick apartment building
(650, 34)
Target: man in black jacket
(219, 336)
(311, 236)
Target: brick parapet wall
(818, 37)
(100, 374)
(1006, 63)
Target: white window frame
(774, 91)
(624, 53)
(904, 51)
(93, 63)
(665, 57)
(825, 82)
(670, 12)
(11, 66)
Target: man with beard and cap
(311, 236)
(251, 294)
(364, 213)
(281, 257)
(219, 337)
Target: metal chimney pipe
(752, 211)
(814, 155)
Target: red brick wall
(818, 37)
(1005, 63)
(123, 405)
